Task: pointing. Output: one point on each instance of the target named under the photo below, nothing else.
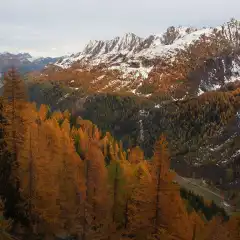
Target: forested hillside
(203, 132)
(61, 177)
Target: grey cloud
(42, 25)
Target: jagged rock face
(137, 48)
(126, 43)
(129, 45)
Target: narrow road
(188, 181)
(194, 186)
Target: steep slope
(203, 132)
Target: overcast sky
(59, 27)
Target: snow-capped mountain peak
(128, 41)
(133, 46)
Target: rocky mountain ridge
(129, 46)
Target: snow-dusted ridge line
(133, 47)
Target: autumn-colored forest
(62, 179)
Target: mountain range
(24, 62)
(182, 61)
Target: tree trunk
(194, 232)
(115, 194)
(157, 200)
(84, 203)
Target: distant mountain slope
(24, 62)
